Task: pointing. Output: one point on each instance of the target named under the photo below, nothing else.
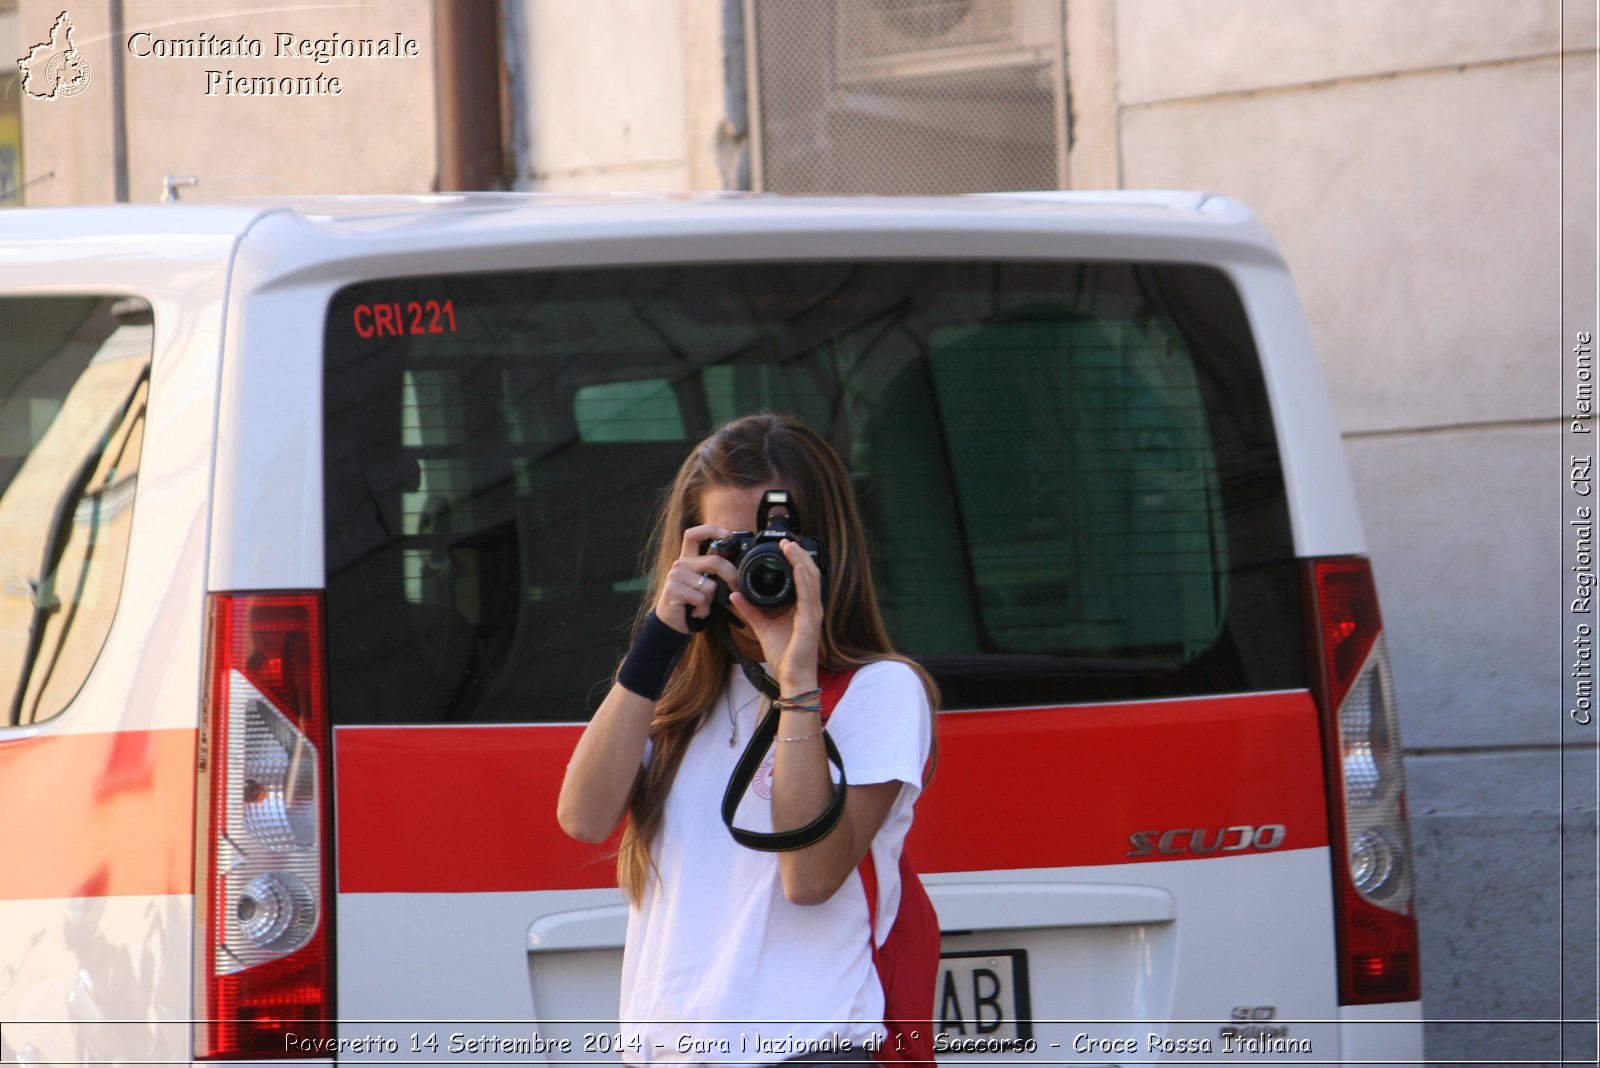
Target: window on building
(908, 96)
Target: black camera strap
(744, 773)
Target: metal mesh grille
(909, 96)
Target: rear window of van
(1068, 472)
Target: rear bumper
(1376, 1036)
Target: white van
(320, 533)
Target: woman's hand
(801, 785)
(605, 766)
(689, 581)
(790, 639)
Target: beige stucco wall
(1091, 40)
(605, 107)
(1418, 215)
(376, 135)
(66, 143)
(1409, 157)
(1176, 49)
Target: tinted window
(1068, 471)
(74, 376)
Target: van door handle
(993, 906)
(602, 927)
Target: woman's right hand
(605, 765)
(689, 582)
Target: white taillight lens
(1375, 864)
(1374, 786)
(268, 862)
(278, 781)
(276, 912)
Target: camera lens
(765, 577)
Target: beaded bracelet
(809, 701)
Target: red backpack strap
(908, 961)
(833, 688)
(869, 883)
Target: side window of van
(74, 379)
(1068, 471)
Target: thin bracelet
(802, 737)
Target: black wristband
(648, 665)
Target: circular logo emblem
(67, 73)
(762, 783)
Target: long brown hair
(756, 450)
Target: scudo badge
(1201, 840)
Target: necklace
(733, 717)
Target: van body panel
(1322, 499)
(1157, 794)
(98, 922)
(1089, 977)
(97, 979)
(538, 926)
(125, 831)
(480, 780)
(267, 486)
(1385, 1036)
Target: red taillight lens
(265, 951)
(1348, 621)
(1373, 868)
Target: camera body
(765, 577)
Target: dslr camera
(765, 577)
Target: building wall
(606, 103)
(377, 134)
(1408, 157)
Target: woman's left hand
(790, 638)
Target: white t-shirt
(719, 966)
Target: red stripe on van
(451, 809)
(1048, 788)
(97, 815)
(442, 809)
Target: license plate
(983, 1004)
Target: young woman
(735, 955)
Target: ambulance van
(320, 535)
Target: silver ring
(702, 582)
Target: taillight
(265, 948)
(1376, 927)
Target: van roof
(236, 216)
(495, 231)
